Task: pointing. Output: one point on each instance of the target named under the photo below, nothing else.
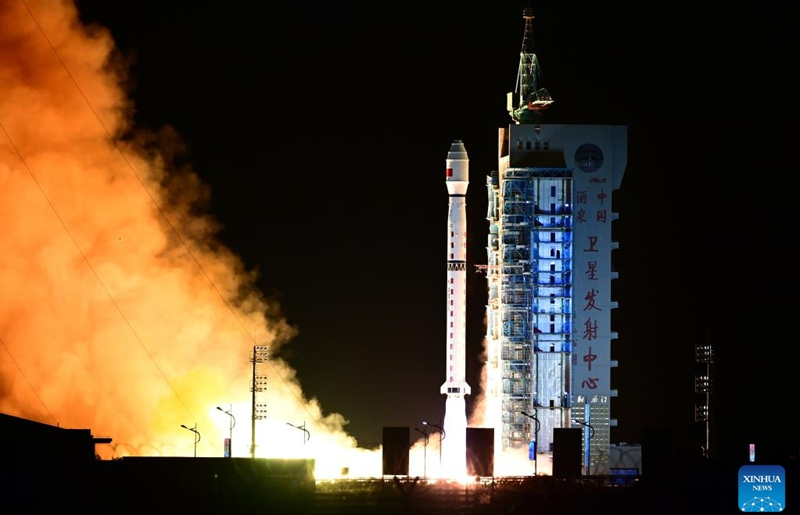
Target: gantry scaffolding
(530, 299)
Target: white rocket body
(454, 443)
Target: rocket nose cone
(457, 150)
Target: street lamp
(537, 426)
(588, 444)
(230, 430)
(585, 424)
(442, 436)
(196, 436)
(425, 450)
(306, 434)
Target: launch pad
(489, 495)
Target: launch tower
(549, 275)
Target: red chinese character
(589, 358)
(602, 196)
(581, 197)
(590, 298)
(590, 383)
(591, 273)
(590, 329)
(601, 215)
(592, 243)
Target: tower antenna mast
(529, 98)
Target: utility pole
(425, 451)
(533, 450)
(259, 384)
(232, 423)
(703, 384)
(196, 435)
(442, 435)
(306, 432)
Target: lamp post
(442, 436)
(306, 434)
(704, 384)
(536, 426)
(259, 384)
(196, 436)
(425, 450)
(588, 444)
(230, 429)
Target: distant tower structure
(549, 275)
(704, 385)
(257, 386)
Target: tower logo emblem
(589, 157)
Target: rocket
(455, 387)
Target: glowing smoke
(119, 311)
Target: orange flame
(120, 311)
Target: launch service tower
(549, 274)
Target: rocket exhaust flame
(119, 309)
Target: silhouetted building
(44, 464)
(45, 467)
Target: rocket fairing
(455, 385)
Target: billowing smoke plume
(119, 310)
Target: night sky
(321, 130)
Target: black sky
(321, 129)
